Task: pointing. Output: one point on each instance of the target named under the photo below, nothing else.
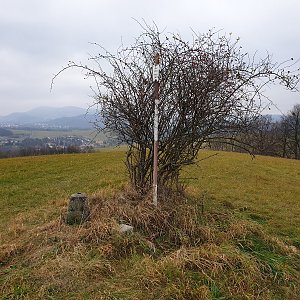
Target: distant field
(91, 134)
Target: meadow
(266, 188)
(39, 134)
(234, 234)
(33, 183)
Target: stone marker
(78, 210)
(125, 228)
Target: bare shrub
(209, 89)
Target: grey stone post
(78, 210)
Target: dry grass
(175, 252)
(245, 245)
(266, 188)
(34, 185)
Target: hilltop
(229, 236)
(67, 117)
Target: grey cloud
(39, 37)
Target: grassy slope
(29, 183)
(269, 187)
(264, 190)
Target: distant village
(12, 145)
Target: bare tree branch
(209, 89)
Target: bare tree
(291, 133)
(209, 89)
(265, 136)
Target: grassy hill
(234, 234)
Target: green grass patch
(233, 235)
(33, 183)
(266, 189)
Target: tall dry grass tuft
(174, 252)
(175, 223)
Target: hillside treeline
(267, 137)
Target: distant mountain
(58, 117)
(5, 132)
(42, 114)
(274, 117)
(76, 122)
(19, 118)
(50, 113)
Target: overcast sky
(39, 37)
